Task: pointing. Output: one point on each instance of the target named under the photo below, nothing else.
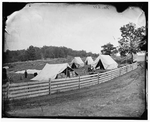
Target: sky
(80, 27)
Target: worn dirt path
(121, 97)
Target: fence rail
(39, 88)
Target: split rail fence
(39, 88)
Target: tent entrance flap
(86, 63)
(67, 72)
(99, 64)
(73, 66)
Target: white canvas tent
(88, 60)
(77, 62)
(104, 62)
(51, 71)
(140, 56)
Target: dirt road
(121, 97)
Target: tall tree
(37, 52)
(131, 39)
(108, 49)
(31, 54)
(22, 55)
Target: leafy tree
(130, 41)
(44, 52)
(22, 55)
(37, 53)
(31, 54)
(108, 49)
(7, 56)
(65, 51)
(61, 53)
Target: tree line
(36, 53)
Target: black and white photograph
(75, 60)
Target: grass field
(121, 97)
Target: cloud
(75, 26)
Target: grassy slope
(122, 96)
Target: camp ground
(62, 61)
(104, 62)
(88, 60)
(77, 63)
(55, 71)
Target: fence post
(7, 90)
(111, 75)
(126, 68)
(4, 92)
(49, 86)
(5, 97)
(98, 77)
(120, 71)
(136, 65)
(79, 81)
(130, 67)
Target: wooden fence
(39, 88)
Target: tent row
(78, 63)
(54, 71)
(101, 62)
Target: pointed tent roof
(50, 71)
(89, 60)
(77, 61)
(106, 61)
